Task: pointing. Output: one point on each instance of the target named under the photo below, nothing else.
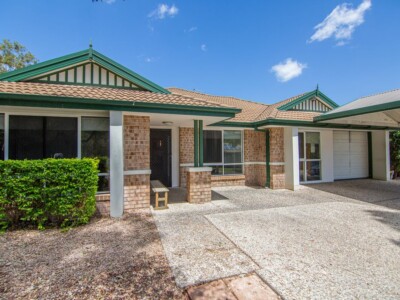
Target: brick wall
(198, 187)
(277, 155)
(103, 204)
(254, 151)
(186, 152)
(228, 180)
(136, 157)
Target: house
(87, 105)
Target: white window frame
(304, 160)
(223, 164)
(68, 114)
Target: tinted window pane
(216, 170)
(232, 146)
(42, 137)
(61, 137)
(1, 136)
(233, 169)
(301, 172)
(301, 144)
(212, 146)
(313, 170)
(312, 145)
(26, 137)
(95, 143)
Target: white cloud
(203, 47)
(164, 10)
(341, 23)
(191, 29)
(288, 70)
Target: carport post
(380, 155)
(116, 164)
(291, 145)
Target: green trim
(317, 93)
(359, 111)
(196, 143)
(370, 170)
(267, 159)
(80, 57)
(84, 73)
(201, 149)
(296, 123)
(97, 104)
(44, 67)
(234, 124)
(75, 75)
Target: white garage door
(350, 154)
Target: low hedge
(47, 192)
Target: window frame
(304, 160)
(223, 164)
(75, 115)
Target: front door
(160, 155)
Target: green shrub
(50, 191)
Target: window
(310, 156)
(42, 137)
(223, 151)
(1, 136)
(95, 143)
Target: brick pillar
(186, 152)
(136, 162)
(198, 185)
(254, 157)
(277, 158)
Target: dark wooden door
(160, 155)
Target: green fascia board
(305, 97)
(296, 123)
(46, 66)
(98, 57)
(359, 111)
(97, 104)
(234, 124)
(78, 57)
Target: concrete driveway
(326, 241)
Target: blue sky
(264, 51)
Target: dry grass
(106, 259)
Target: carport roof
(384, 105)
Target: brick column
(277, 158)
(136, 162)
(254, 157)
(186, 152)
(198, 184)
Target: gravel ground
(325, 241)
(106, 259)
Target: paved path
(312, 243)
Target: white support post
(380, 155)
(116, 164)
(291, 143)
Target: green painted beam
(201, 149)
(84, 103)
(267, 159)
(196, 143)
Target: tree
(395, 152)
(13, 56)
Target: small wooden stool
(158, 187)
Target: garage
(350, 154)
